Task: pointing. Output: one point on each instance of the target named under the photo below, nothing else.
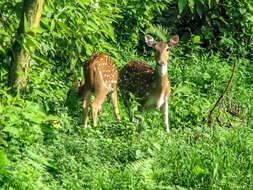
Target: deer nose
(160, 63)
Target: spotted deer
(100, 78)
(149, 85)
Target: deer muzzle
(160, 63)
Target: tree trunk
(20, 58)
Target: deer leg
(114, 97)
(164, 110)
(100, 96)
(86, 101)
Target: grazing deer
(150, 85)
(100, 78)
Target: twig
(234, 110)
(210, 119)
(229, 121)
(218, 119)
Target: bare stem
(221, 98)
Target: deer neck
(158, 91)
(161, 74)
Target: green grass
(36, 153)
(198, 158)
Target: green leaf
(36, 118)
(181, 5)
(12, 130)
(210, 4)
(64, 27)
(53, 117)
(2, 32)
(85, 2)
(206, 76)
(45, 22)
(31, 42)
(196, 40)
(3, 142)
(182, 89)
(200, 8)
(50, 3)
(3, 159)
(52, 25)
(39, 59)
(92, 25)
(197, 171)
(25, 45)
(38, 158)
(109, 31)
(2, 50)
(215, 170)
(191, 5)
(25, 24)
(108, 46)
(223, 20)
(38, 29)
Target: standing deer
(100, 78)
(150, 85)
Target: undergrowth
(44, 146)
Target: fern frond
(144, 168)
(159, 31)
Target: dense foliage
(42, 142)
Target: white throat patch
(163, 70)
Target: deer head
(162, 50)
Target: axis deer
(100, 78)
(150, 85)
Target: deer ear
(173, 41)
(149, 40)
